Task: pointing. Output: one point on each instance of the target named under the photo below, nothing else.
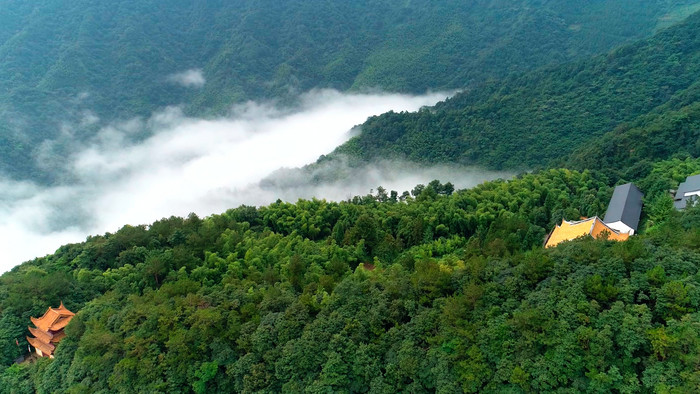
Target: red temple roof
(43, 336)
(49, 329)
(54, 319)
(46, 348)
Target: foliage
(640, 98)
(435, 290)
(66, 63)
(443, 292)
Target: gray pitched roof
(691, 184)
(625, 205)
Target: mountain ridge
(60, 69)
(530, 120)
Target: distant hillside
(540, 118)
(628, 151)
(63, 61)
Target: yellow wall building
(593, 227)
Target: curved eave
(46, 348)
(41, 335)
(61, 323)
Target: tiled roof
(691, 184)
(61, 323)
(43, 336)
(46, 348)
(58, 336)
(49, 329)
(51, 317)
(600, 228)
(625, 206)
(572, 230)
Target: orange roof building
(48, 330)
(593, 227)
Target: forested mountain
(640, 94)
(439, 291)
(435, 290)
(62, 62)
(629, 151)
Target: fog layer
(202, 166)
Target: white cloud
(203, 166)
(289, 185)
(193, 78)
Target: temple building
(621, 219)
(593, 227)
(688, 192)
(48, 330)
(625, 209)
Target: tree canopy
(66, 63)
(441, 291)
(611, 112)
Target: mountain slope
(629, 151)
(531, 120)
(442, 292)
(64, 62)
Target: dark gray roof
(625, 205)
(691, 184)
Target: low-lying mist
(346, 181)
(203, 166)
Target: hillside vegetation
(65, 62)
(641, 97)
(440, 291)
(432, 290)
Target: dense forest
(432, 290)
(66, 63)
(428, 290)
(639, 94)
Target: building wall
(621, 227)
(567, 231)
